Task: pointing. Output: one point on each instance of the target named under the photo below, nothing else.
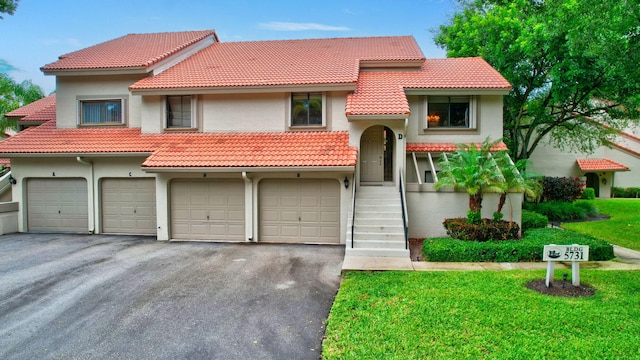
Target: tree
(573, 65)
(8, 7)
(473, 170)
(14, 95)
(516, 179)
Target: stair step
(378, 244)
(377, 252)
(365, 236)
(382, 221)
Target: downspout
(248, 212)
(92, 226)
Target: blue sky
(42, 30)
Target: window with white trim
(307, 109)
(180, 111)
(450, 112)
(102, 111)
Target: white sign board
(565, 253)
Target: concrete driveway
(127, 297)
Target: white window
(180, 111)
(102, 111)
(307, 109)
(450, 112)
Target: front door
(372, 155)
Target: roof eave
(457, 91)
(377, 117)
(97, 71)
(245, 89)
(155, 169)
(75, 154)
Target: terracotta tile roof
(282, 62)
(256, 150)
(5, 162)
(44, 115)
(129, 51)
(34, 107)
(382, 93)
(445, 147)
(191, 149)
(600, 165)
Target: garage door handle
(134, 211)
(58, 211)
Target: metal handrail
(353, 210)
(405, 217)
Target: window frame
(473, 114)
(193, 110)
(102, 99)
(323, 108)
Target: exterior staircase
(378, 229)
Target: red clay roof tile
(282, 62)
(34, 107)
(600, 165)
(382, 93)
(129, 51)
(187, 150)
(445, 147)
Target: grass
(481, 315)
(623, 228)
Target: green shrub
(533, 220)
(474, 217)
(529, 248)
(561, 189)
(631, 192)
(562, 211)
(487, 229)
(588, 194)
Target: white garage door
(57, 205)
(129, 206)
(299, 210)
(207, 210)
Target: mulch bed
(557, 288)
(415, 249)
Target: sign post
(574, 253)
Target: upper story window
(307, 109)
(100, 112)
(450, 112)
(180, 111)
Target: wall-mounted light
(12, 180)
(346, 182)
(604, 181)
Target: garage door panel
(129, 206)
(295, 210)
(213, 209)
(57, 205)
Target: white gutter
(91, 200)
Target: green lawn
(622, 229)
(481, 315)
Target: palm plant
(516, 178)
(474, 170)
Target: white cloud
(290, 26)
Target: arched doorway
(376, 155)
(593, 181)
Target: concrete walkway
(626, 259)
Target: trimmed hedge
(588, 194)
(487, 229)
(529, 248)
(533, 220)
(631, 192)
(563, 211)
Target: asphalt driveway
(127, 297)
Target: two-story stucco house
(184, 137)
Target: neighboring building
(183, 137)
(615, 165)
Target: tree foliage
(573, 65)
(14, 95)
(8, 7)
